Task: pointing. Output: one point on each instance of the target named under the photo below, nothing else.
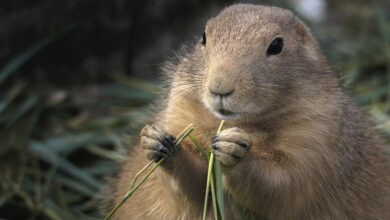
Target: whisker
(186, 91)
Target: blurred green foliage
(57, 145)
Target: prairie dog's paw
(230, 145)
(157, 143)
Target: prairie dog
(294, 145)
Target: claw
(157, 142)
(230, 145)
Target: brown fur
(311, 152)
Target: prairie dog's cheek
(206, 99)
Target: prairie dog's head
(251, 58)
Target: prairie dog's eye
(275, 47)
(204, 39)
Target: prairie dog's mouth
(222, 108)
(226, 114)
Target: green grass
(54, 162)
(214, 182)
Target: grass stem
(133, 188)
(210, 178)
(200, 148)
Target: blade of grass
(136, 83)
(200, 148)
(218, 181)
(219, 188)
(351, 76)
(68, 143)
(104, 153)
(140, 172)
(371, 96)
(217, 214)
(383, 27)
(10, 96)
(121, 94)
(51, 213)
(130, 193)
(61, 213)
(209, 180)
(55, 160)
(101, 168)
(133, 188)
(209, 173)
(26, 106)
(75, 185)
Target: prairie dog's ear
(301, 30)
(309, 43)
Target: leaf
(219, 188)
(69, 168)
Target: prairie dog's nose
(221, 93)
(221, 87)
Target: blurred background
(77, 76)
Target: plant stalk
(211, 178)
(133, 188)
